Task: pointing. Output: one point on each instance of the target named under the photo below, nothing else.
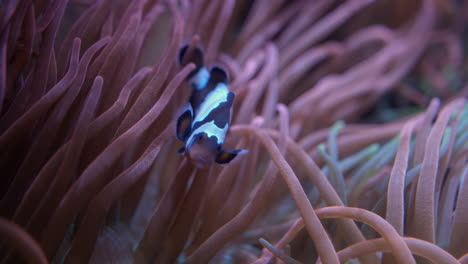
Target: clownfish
(205, 119)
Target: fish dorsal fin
(218, 75)
(194, 55)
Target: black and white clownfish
(205, 119)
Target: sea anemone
(353, 110)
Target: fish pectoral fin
(184, 123)
(181, 150)
(226, 156)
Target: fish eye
(199, 138)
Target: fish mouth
(201, 162)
